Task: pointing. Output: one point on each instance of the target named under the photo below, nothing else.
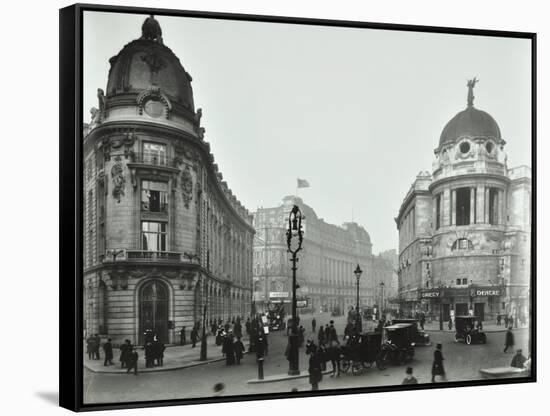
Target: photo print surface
(287, 208)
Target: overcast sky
(356, 112)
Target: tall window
(154, 196)
(462, 206)
(438, 211)
(154, 153)
(153, 236)
(493, 206)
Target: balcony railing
(143, 255)
(153, 255)
(152, 159)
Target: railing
(153, 255)
(141, 255)
(152, 159)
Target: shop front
(484, 302)
(409, 303)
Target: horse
(333, 353)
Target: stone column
(472, 205)
(434, 212)
(480, 208)
(446, 208)
(487, 205)
(453, 207)
(501, 210)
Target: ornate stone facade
(165, 237)
(327, 260)
(465, 229)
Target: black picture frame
(71, 197)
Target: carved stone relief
(187, 186)
(117, 175)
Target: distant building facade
(465, 229)
(164, 237)
(329, 256)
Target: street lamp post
(294, 232)
(382, 306)
(358, 273)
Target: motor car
(467, 331)
(421, 338)
(398, 347)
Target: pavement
(176, 357)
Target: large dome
(470, 122)
(147, 63)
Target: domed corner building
(465, 228)
(165, 242)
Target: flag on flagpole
(302, 183)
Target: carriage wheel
(345, 365)
(468, 339)
(457, 338)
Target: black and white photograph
(286, 208)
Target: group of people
(154, 350)
(511, 320)
(232, 349)
(327, 334)
(93, 344)
(234, 327)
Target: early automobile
(361, 352)
(276, 320)
(420, 338)
(467, 331)
(399, 345)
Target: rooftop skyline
(356, 112)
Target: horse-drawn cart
(361, 352)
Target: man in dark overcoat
(194, 336)
(149, 355)
(158, 352)
(97, 346)
(229, 350)
(332, 335)
(314, 369)
(509, 339)
(108, 349)
(437, 367)
(133, 361)
(321, 336)
(90, 347)
(238, 347)
(125, 351)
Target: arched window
(153, 310)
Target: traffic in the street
(461, 362)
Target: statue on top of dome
(151, 30)
(471, 84)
